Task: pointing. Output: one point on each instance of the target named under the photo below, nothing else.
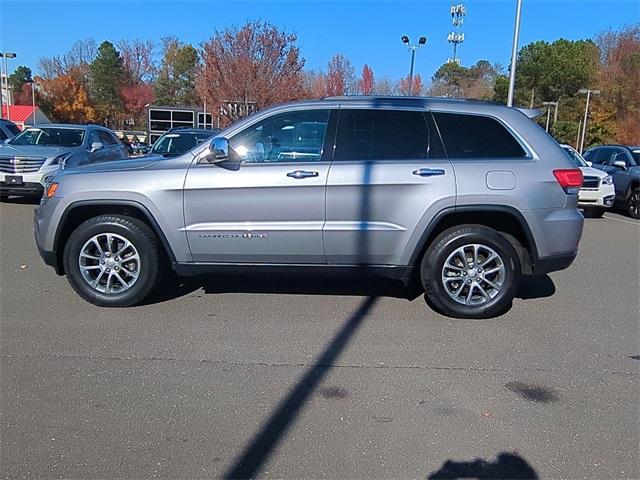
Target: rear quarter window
(476, 136)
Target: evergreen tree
(107, 75)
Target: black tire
(143, 239)
(3, 197)
(593, 212)
(445, 244)
(633, 203)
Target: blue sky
(365, 31)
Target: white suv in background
(597, 192)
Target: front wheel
(112, 260)
(633, 204)
(470, 271)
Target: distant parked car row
(28, 157)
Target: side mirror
(620, 164)
(221, 154)
(96, 146)
(590, 164)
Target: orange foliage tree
(64, 99)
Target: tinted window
(2, 135)
(106, 138)
(475, 136)
(286, 137)
(175, 143)
(50, 136)
(602, 155)
(384, 135)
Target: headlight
(608, 180)
(61, 159)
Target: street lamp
(589, 92)
(514, 55)
(555, 113)
(422, 41)
(4, 56)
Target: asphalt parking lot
(320, 377)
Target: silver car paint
(258, 214)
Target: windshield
(50, 136)
(575, 157)
(172, 144)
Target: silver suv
(466, 195)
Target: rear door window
(385, 135)
(476, 136)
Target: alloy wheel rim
(473, 274)
(109, 263)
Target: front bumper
(41, 220)
(601, 197)
(32, 182)
(26, 189)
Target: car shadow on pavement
(506, 466)
(248, 463)
(535, 287)
(354, 283)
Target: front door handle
(302, 174)
(428, 172)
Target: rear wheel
(633, 204)
(112, 260)
(470, 271)
(593, 212)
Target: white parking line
(621, 220)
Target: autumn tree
(366, 83)
(385, 86)
(107, 78)
(417, 87)
(76, 61)
(255, 63)
(313, 84)
(64, 99)
(137, 61)
(455, 80)
(176, 79)
(618, 107)
(340, 76)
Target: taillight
(570, 179)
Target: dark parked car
(623, 164)
(180, 140)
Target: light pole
(555, 113)
(4, 56)
(33, 100)
(514, 55)
(589, 92)
(421, 42)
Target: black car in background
(180, 140)
(623, 164)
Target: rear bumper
(25, 189)
(546, 265)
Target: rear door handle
(428, 172)
(302, 174)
